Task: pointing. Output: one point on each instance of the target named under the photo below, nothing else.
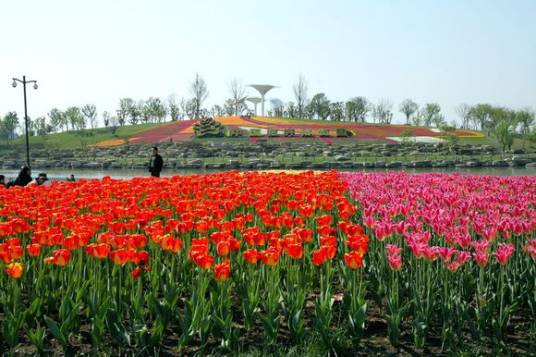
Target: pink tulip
(504, 252)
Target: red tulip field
(265, 262)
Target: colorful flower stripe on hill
(109, 143)
(169, 131)
(184, 130)
(363, 130)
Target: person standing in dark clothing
(156, 163)
(24, 177)
(2, 180)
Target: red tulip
(33, 249)
(14, 270)
(251, 256)
(136, 273)
(222, 271)
(353, 260)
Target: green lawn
(79, 139)
(491, 140)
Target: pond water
(62, 174)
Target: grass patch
(78, 139)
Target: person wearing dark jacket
(24, 177)
(156, 163)
(2, 180)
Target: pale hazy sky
(101, 50)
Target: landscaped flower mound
(125, 265)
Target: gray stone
(363, 153)
(439, 164)
(421, 164)
(195, 162)
(319, 165)
(499, 163)
(393, 165)
(341, 158)
(520, 162)
(473, 164)
(93, 165)
(379, 164)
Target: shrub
(290, 132)
(324, 133)
(447, 128)
(208, 128)
(307, 133)
(343, 133)
(255, 132)
(406, 136)
(231, 132)
(273, 132)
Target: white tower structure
(262, 89)
(254, 101)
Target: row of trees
(357, 109)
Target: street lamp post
(24, 82)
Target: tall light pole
(24, 82)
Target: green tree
(228, 107)
(8, 125)
(278, 108)
(238, 96)
(217, 111)
(504, 131)
(525, 118)
(190, 108)
(40, 126)
(480, 115)
(106, 118)
(417, 118)
(75, 118)
(431, 113)
(382, 111)
(320, 106)
(408, 108)
(89, 111)
(127, 107)
(300, 94)
(199, 92)
(357, 108)
(292, 111)
(58, 120)
(464, 112)
(336, 111)
(134, 113)
(174, 108)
